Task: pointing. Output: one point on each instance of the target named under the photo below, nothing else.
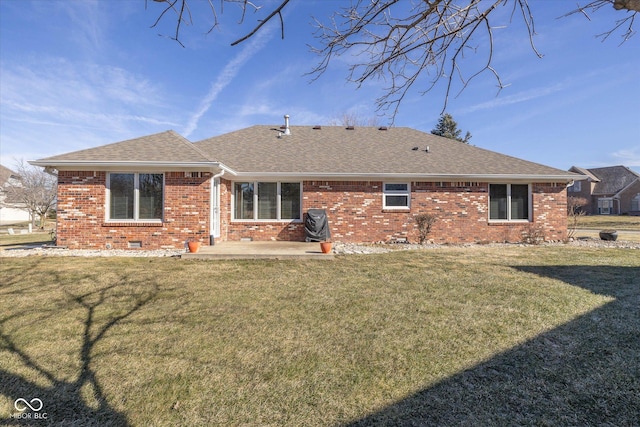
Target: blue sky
(78, 74)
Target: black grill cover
(316, 226)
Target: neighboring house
(11, 211)
(612, 190)
(161, 190)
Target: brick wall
(81, 219)
(354, 208)
(627, 196)
(356, 214)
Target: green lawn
(453, 336)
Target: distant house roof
(5, 174)
(314, 151)
(612, 179)
(584, 172)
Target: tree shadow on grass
(65, 401)
(583, 373)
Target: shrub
(533, 235)
(425, 222)
(574, 213)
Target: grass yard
(616, 222)
(453, 336)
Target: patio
(260, 250)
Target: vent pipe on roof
(287, 131)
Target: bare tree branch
(429, 40)
(184, 15)
(407, 44)
(277, 11)
(631, 6)
(34, 192)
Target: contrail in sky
(226, 76)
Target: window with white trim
(576, 187)
(280, 201)
(396, 195)
(635, 203)
(605, 206)
(135, 196)
(509, 202)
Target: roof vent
(287, 131)
(317, 127)
(383, 128)
(350, 128)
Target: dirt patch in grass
(453, 336)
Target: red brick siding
(356, 214)
(354, 208)
(81, 220)
(263, 230)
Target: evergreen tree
(448, 128)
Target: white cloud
(524, 96)
(627, 156)
(88, 24)
(51, 105)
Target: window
(396, 196)
(274, 200)
(290, 200)
(267, 200)
(605, 206)
(635, 203)
(135, 196)
(576, 187)
(509, 202)
(243, 192)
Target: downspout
(213, 200)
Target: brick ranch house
(611, 190)
(161, 190)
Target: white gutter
(413, 176)
(120, 163)
(127, 165)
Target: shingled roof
(314, 151)
(161, 147)
(336, 150)
(612, 179)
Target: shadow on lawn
(62, 400)
(585, 372)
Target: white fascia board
(407, 176)
(124, 165)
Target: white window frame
(386, 193)
(635, 202)
(608, 210)
(255, 202)
(509, 219)
(136, 198)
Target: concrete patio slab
(260, 250)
